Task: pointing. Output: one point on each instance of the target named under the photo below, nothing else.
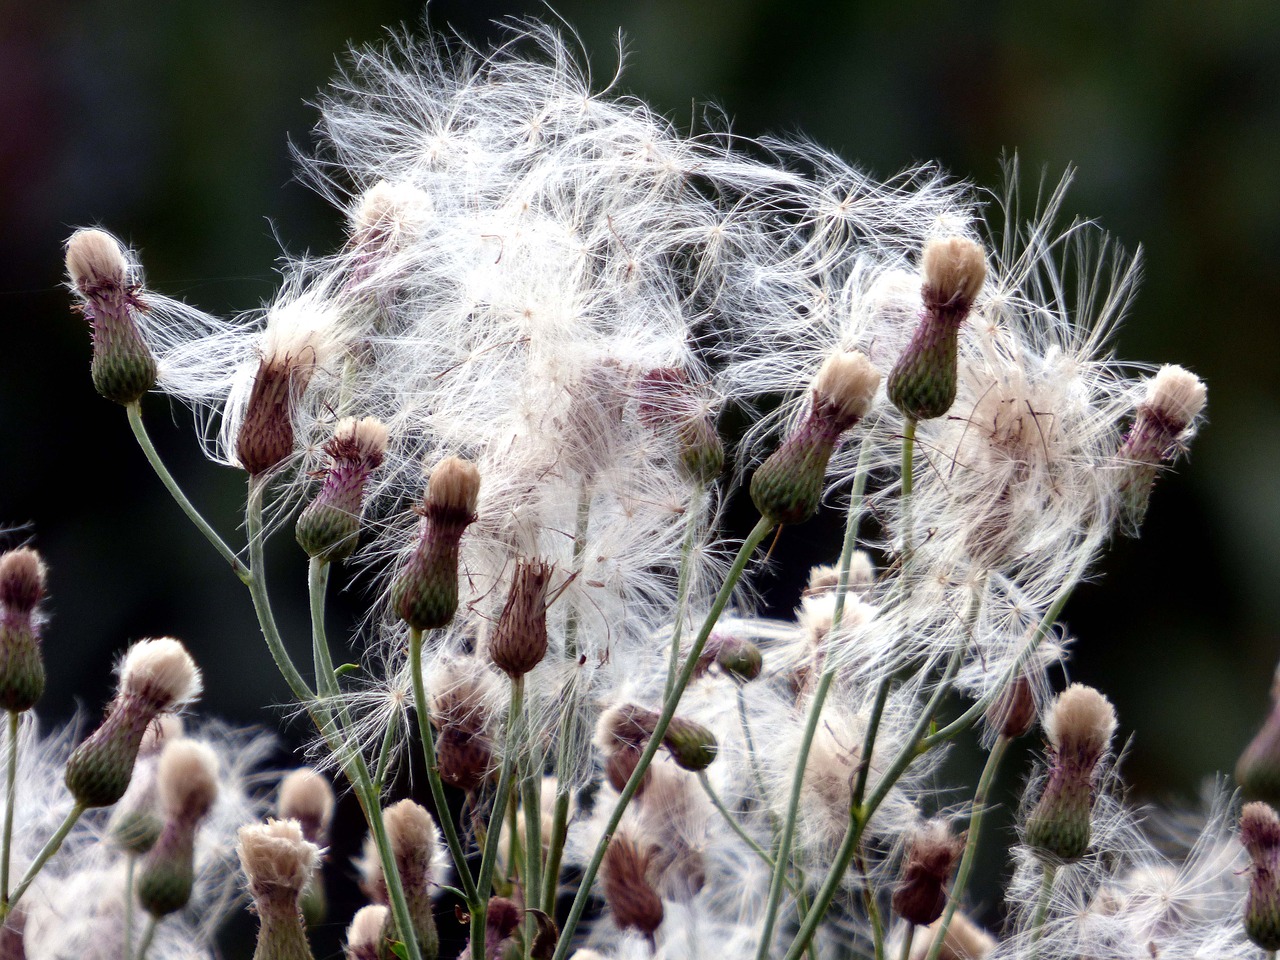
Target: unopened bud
(1258, 770)
(123, 368)
(736, 656)
(1079, 726)
(932, 855)
(1013, 712)
(136, 821)
(330, 525)
(1162, 425)
(188, 786)
(519, 641)
(690, 744)
(502, 919)
(629, 727)
(412, 834)
(156, 676)
(669, 402)
(307, 797)
(922, 384)
(628, 893)
(459, 711)
(367, 935)
(278, 862)
(425, 593)
(787, 487)
(1260, 835)
(22, 587)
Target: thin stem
(134, 411)
(908, 472)
(384, 753)
(10, 798)
(761, 530)
(555, 851)
(869, 744)
(693, 520)
(906, 942)
(753, 760)
(443, 813)
(489, 859)
(48, 850)
(131, 861)
(322, 662)
(736, 827)
(147, 937)
(1042, 907)
(971, 842)
(531, 801)
(869, 902)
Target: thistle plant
(546, 298)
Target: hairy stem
(693, 520)
(48, 850)
(10, 798)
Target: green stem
(980, 798)
(321, 659)
(761, 530)
(869, 902)
(555, 851)
(384, 753)
(147, 937)
(693, 520)
(131, 862)
(753, 760)
(531, 801)
(134, 411)
(425, 732)
(10, 798)
(906, 942)
(908, 472)
(1042, 907)
(736, 827)
(48, 850)
(489, 859)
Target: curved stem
(489, 859)
(10, 798)
(134, 411)
(693, 520)
(736, 827)
(761, 530)
(1042, 907)
(262, 603)
(147, 937)
(443, 812)
(971, 843)
(48, 850)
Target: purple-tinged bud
(1013, 712)
(330, 525)
(1163, 424)
(188, 786)
(425, 593)
(412, 834)
(787, 487)
(629, 727)
(502, 919)
(736, 656)
(669, 402)
(629, 895)
(136, 822)
(459, 699)
(1079, 726)
(932, 855)
(1258, 770)
(1260, 835)
(22, 587)
(123, 368)
(519, 641)
(156, 677)
(278, 862)
(922, 384)
(307, 797)
(367, 935)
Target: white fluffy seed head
(307, 797)
(276, 858)
(95, 260)
(1080, 720)
(454, 485)
(301, 336)
(188, 779)
(953, 270)
(388, 211)
(1176, 396)
(411, 830)
(848, 382)
(161, 671)
(368, 927)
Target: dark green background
(170, 125)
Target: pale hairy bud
(368, 933)
(307, 797)
(425, 592)
(329, 527)
(628, 893)
(156, 676)
(1013, 712)
(964, 940)
(519, 641)
(1258, 769)
(1260, 836)
(23, 579)
(459, 694)
(411, 831)
(787, 487)
(1162, 426)
(188, 786)
(278, 862)
(502, 919)
(923, 382)
(933, 853)
(22, 586)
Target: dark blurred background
(170, 125)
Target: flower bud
(736, 656)
(278, 862)
(123, 368)
(307, 797)
(1079, 726)
(460, 712)
(1013, 712)
(519, 641)
(425, 593)
(787, 487)
(188, 786)
(502, 920)
(330, 525)
(156, 676)
(1258, 769)
(367, 935)
(412, 834)
(628, 893)
(669, 402)
(629, 727)
(932, 855)
(136, 822)
(690, 744)
(922, 384)
(1162, 425)
(1260, 835)
(22, 587)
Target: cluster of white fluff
(523, 252)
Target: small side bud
(22, 588)
(412, 834)
(367, 935)
(329, 527)
(932, 855)
(787, 487)
(278, 862)
(156, 677)
(629, 895)
(736, 656)
(627, 728)
(691, 745)
(188, 786)
(1079, 726)
(922, 384)
(123, 368)
(1260, 835)
(425, 593)
(519, 640)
